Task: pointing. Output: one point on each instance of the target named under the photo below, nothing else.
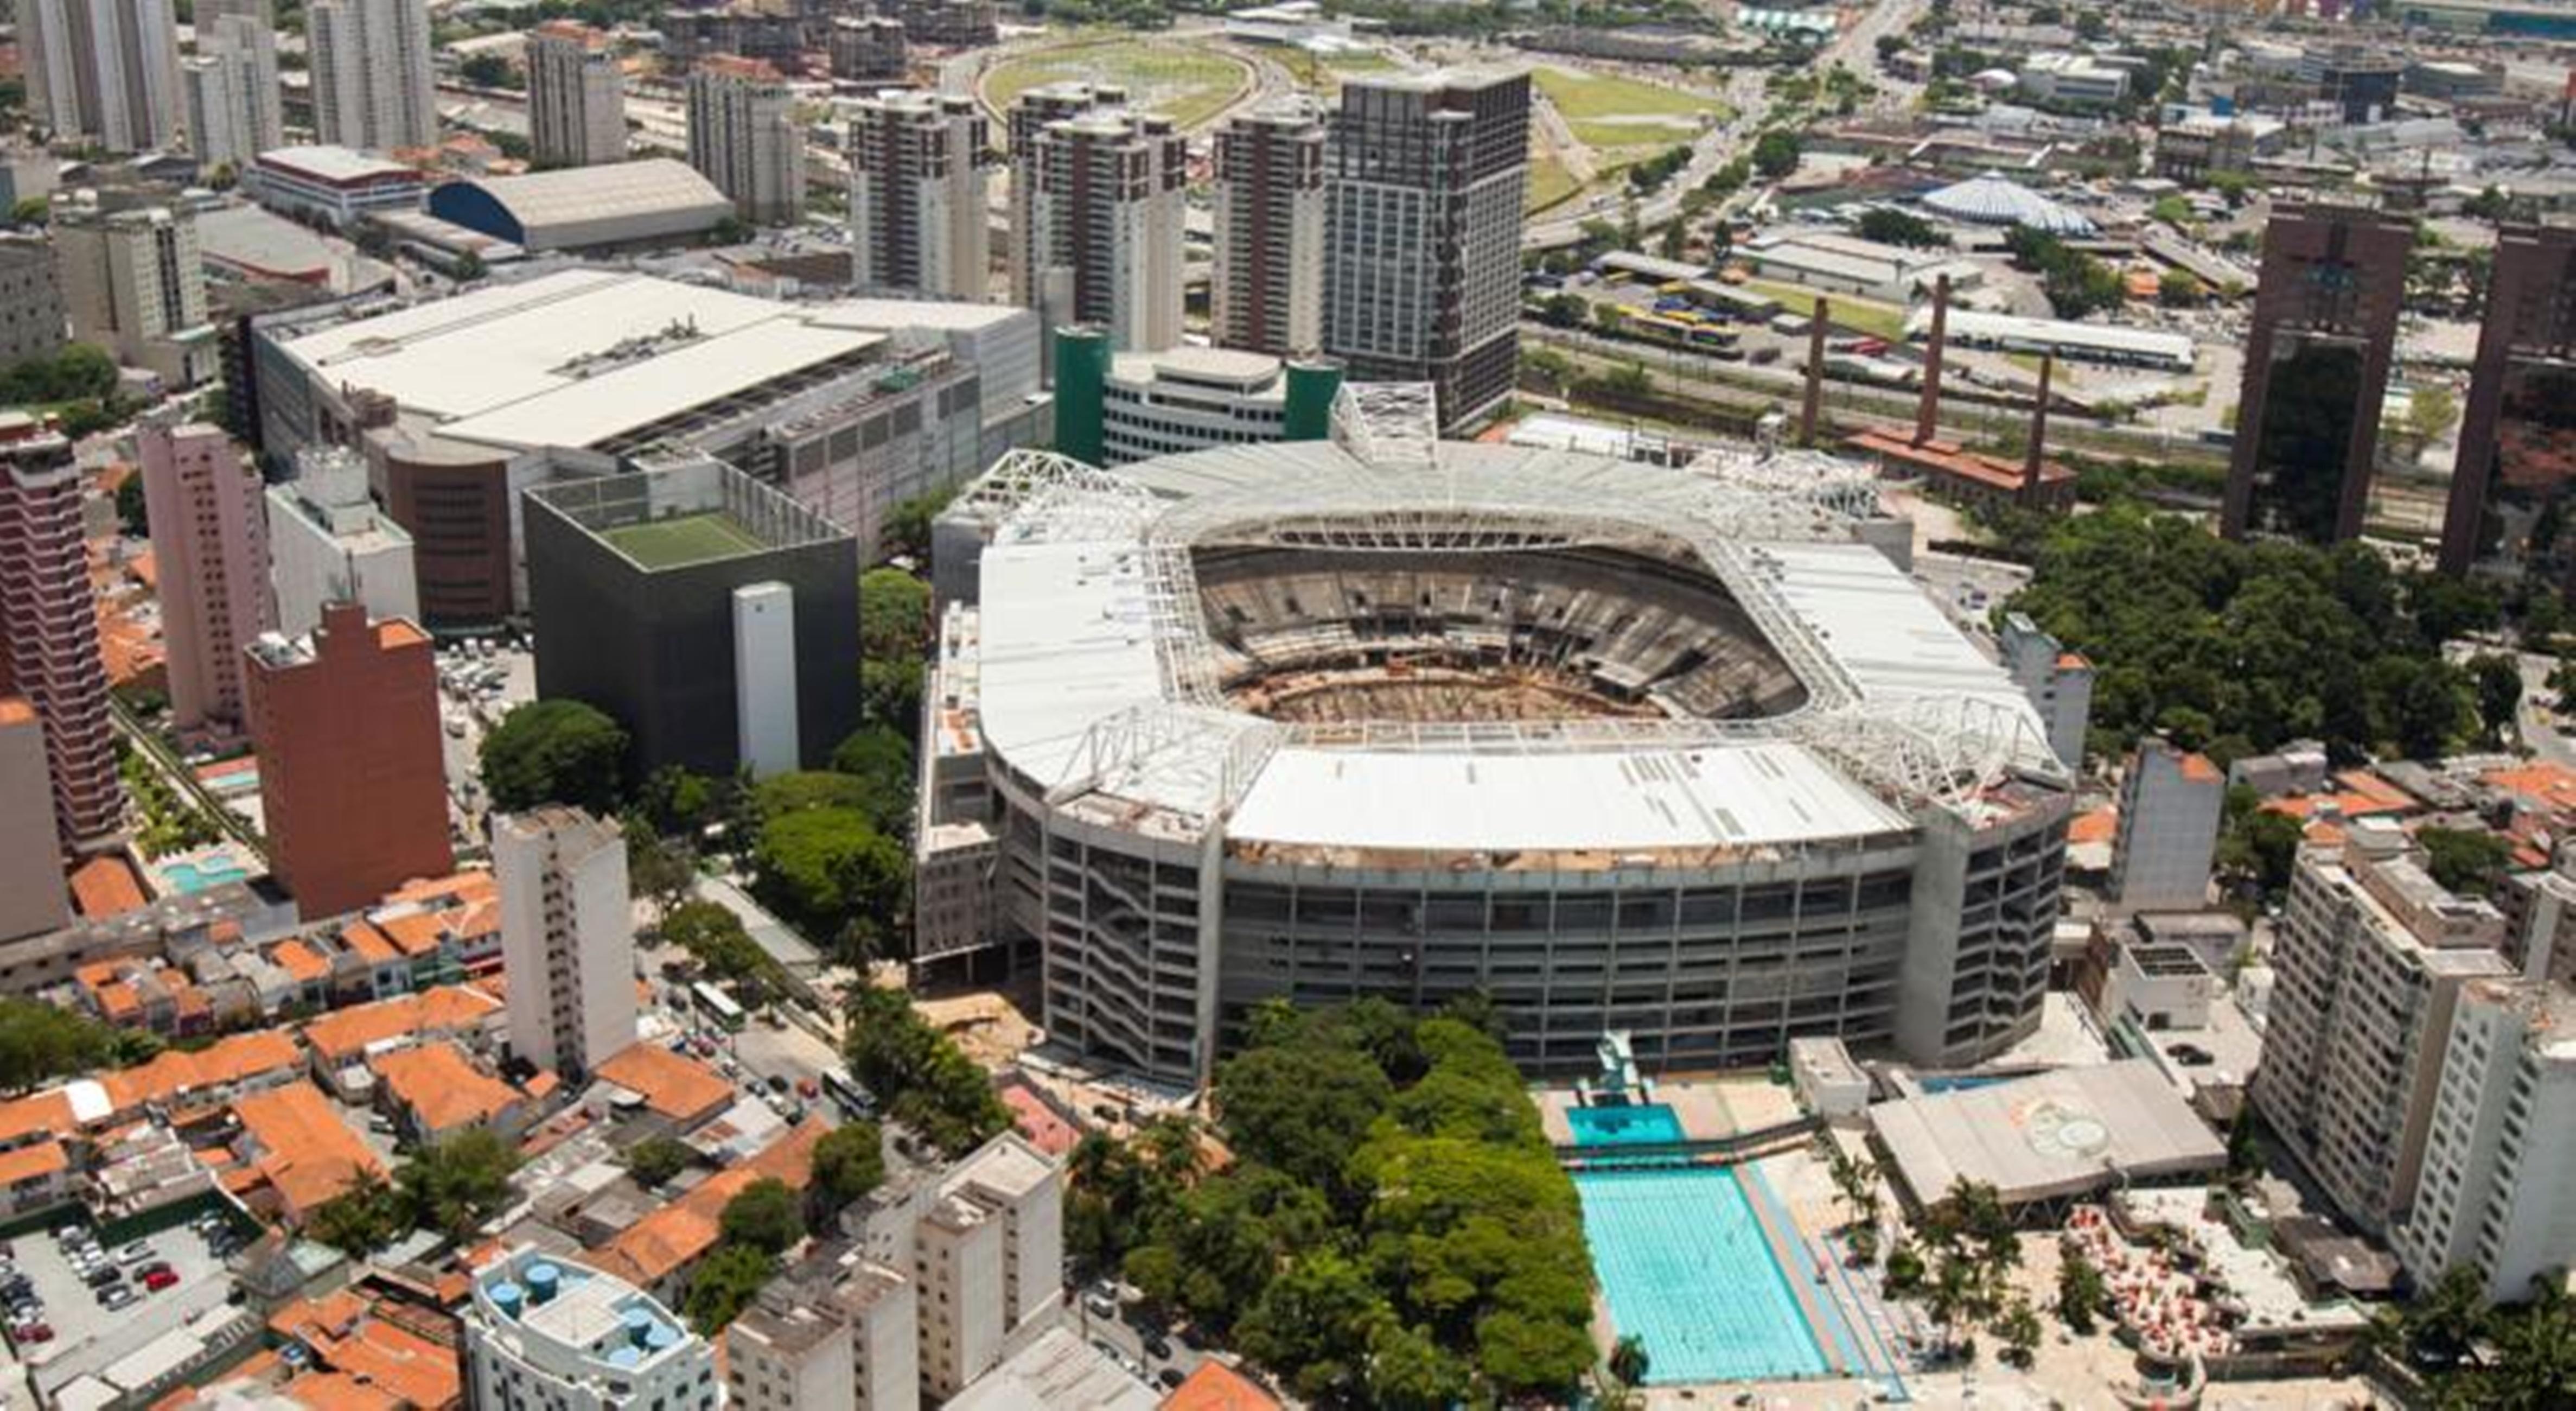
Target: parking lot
(89, 1337)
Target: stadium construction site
(1678, 751)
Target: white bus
(717, 1006)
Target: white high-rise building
(234, 109)
(2058, 682)
(576, 96)
(2494, 1193)
(1267, 292)
(103, 71)
(920, 194)
(567, 937)
(546, 1334)
(371, 74)
(1099, 195)
(2170, 808)
(329, 543)
(984, 1242)
(844, 1337)
(133, 284)
(743, 138)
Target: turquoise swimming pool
(1685, 1268)
(1623, 1126)
(208, 872)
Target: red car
(35, 1332)
(808, 1089)
(159, 1279)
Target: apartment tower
(2493, 1195)
(1424, 178)
(2170, 807)
(371, 73)
(49, 648)
(743, 138)
(352, 773)
(234, 108)
(576, 96)
(32, 894)
(1267, 293)
(210, 544)
(567, 937)
(134, 285)
(920, 184)
(1099, 190)
(103, 71)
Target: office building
(838, 1334)
(49, 647)
(134, 285)
(743, 138)
(103, 72)
(576, 96)
(1424, 178)
(1099, 190)
(2170, 805)
(546, 1334)
(33, 897)
(1113, 409)
(2317, 353)
(235, 110)
(329, 543)
(920, 183)
(2371, 958)
(868, 49)
(567, 937)
(2058, 682)
(636, 583)
(2517, 459)
(2494, 1195)
(1267, 292)
(31, 299)
(210, 546)
(371, 74)
(983, 1242)
(352, 775)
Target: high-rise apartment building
(31, 853)
(2371, 959)
(744, 140)
(838, 1334)
(2317, 354)
(1098, 190)
(103, 71)
(2170, 806)
(1267, 293)
(234, 108)
(352, 774)
(545, 1334)
(371, 74)
(206, 13)
(576, 96)
(2058, 682)
(2511, 486)
(1422, 262)
(134, 285)
(868, 49)
(329, 543)
(210, 544)
(920, 192)
(2493, 1194)
(567, 937)
(31, 299)
(983, 1241)
(49, 648)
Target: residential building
(839, 1334)
(704, 611)
(567, 937)
(546, 1334)
(2492, 1196)
(868, 49)
(1267, 292)
(134, 284)
(743, 137)
(104, 72)
(208, 12)
(1422, 264)
(329, 543)
(31, 299)
(1100, 195)
(2511, 484)
(2540, 919)
(49, 640)
(32, 894)
(1113, 409)
(210, 548)
(336, 185)
(235, 109)
(352, 779)
(983, 1240)
(2371, 957)
(2170, 806)
(2058, 682)
(920, 179)
(2317, 354)
(576, 96)
(371, 74)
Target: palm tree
(1628, 1359)
(2442, 1326)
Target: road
(2538, 723)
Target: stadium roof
(2050, 1135)
(1990, 199)
(613, 204)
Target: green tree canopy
(923, 1080)
(880, 758)
(849, 1162)
(1775, 153)
(714, 937)
(894, 614)
(555, 751)
(725, 1283)
(656, 1159)
(39, 1041)
(908, 525)
(764, 1215)
(454, 1185)
(819, 868)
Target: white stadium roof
(1995, 200)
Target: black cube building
(715, 618)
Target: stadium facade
(1682, 752)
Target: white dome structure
(1993, 200)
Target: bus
(854, 1101)
(717, 1006)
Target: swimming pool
(204, 872)
(1623, 1126)
(1936, 1083)
(1685, 1268)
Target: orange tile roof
(2100, 825)
(442, 1088)
(672, 1085)
(173, 1072)
(116, 1000)
(369, 943)
(106, 886)
(346, 1336)
(48, 1111)
(344, 1034)
(307, 1154)
(1217, 1387)
(2198, 769)
(338, 1391)
(29, 1162)
(677, 1234)
(458, 886)
(2549, 785)
(301, 962)
(418, 934)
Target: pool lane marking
(1793, 1267)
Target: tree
(849, 1162)
(2082, 1293)
(715, 938)
(2019, 1328)
(656, 1159)
(764, 1216)
(908, 525)
(2465, 861)
(725, 1284)
(1303, 1108)
(2180, 289)
(894, 614)
(1775, 153)
(918, 1074)
(360, 1220)
(880, 758)
(31, 210)
(1890, 226)
(1628, 1359)
(488, 71)
(555, 751)
(819, 868)
(454, 1185)
(1609, 317)
(660, 869)
(39, 1041)
(2498, 681)
(2431, 411)
(133, 516)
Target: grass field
(1875, 319)
(1184, 82)
(1549, 182)
(1605, 111)
(682, 540)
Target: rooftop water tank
(543, 1279)
(639, 1325)
(507, 1297)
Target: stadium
(1681, 752)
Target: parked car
(159, 1279)
(100, 1278)
(1170, 1378)
(36, 1332)
(136, 1252)
(118, 1296)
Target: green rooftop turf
(682, 540)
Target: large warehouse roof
(615, 204)
(2049, 1135)
(1995, 200)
